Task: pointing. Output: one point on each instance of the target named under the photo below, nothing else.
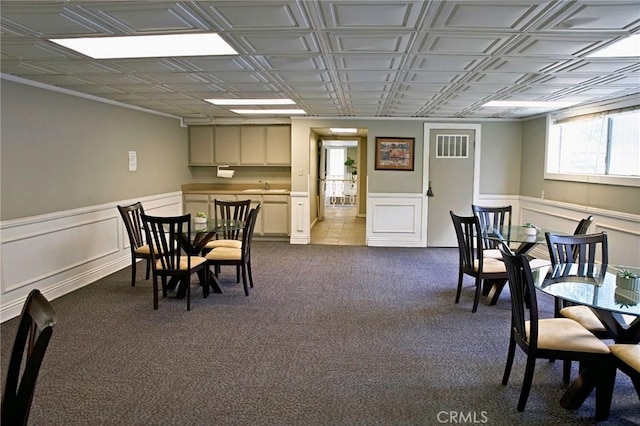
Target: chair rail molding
(395, 220)
(89, 243)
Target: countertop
(248, 188)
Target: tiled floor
(339, 227)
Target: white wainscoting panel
(623, 230)
(60, 252)
(300, 213)
(395, 220)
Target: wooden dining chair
(240, 257)
(628, 361)
(171, 256)
(550, 338)
(496, 218)
(132, 217)
(578, 248)
(224, 211)
(472, 261)
(35, 328)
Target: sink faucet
(266, 184)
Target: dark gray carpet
(331, 335)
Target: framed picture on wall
(394, 153)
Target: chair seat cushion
(195, 261)
(565, 334)
(491, 266)
(223, 243)
(224, 253)
(492, 254)
(627, 353)
(537, 263)
(584, 316)
(143, 249)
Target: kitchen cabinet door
(193, 203)
(227, 145)
(252, 145)
(275, 215)
(279, 145)
(200, 146)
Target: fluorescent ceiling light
(343, 130)
(251, 101)
(269, 111)
(531, 104)
(624, 48)
(151, 46)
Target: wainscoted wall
(58, 253)
(395, 220)
(623, 230)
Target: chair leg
(245, 283)
(510, 356)
(155, 293)
(526, 382)
(604, 388)
(134, 266)
(476, 298)
(188, 283)
(148, 269)
(460, 274)
(566, 371)
(237, 274)
(250, 274)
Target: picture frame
(395, 153)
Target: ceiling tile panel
(366, 14)
(345, 57)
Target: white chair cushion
(143, 249)
(224, 253)
(565, 334)
(537, 263)
(491, 266)
(584, 316)
(223, 243)
(195, 261)
(627, 353)
(492, 254)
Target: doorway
(338, 221)
(450, 177)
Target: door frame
(428, 127)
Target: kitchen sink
(260, 190)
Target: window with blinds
(452, 146)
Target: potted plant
(530, 229)
(628, 280)
(201, 217)
(351, 167)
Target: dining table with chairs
(617, 306)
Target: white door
(450, 175)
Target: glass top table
(518, 234)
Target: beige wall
(609, 197)
(60, 152)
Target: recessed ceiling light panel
(343, 130)
(625, 48)
(251, 101)
(151, 46)
(269, 111)
(530, 104)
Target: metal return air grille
(452, 146)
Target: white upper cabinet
(201, 146)
(227, 147)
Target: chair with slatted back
(35, 328)
(628, 361)
(224, 211)
(132, 217)
(584, 248)
(492, 218)
(171, 256)
(240, 257)
(550, 338)
(472, 261)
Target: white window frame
(588, 178)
